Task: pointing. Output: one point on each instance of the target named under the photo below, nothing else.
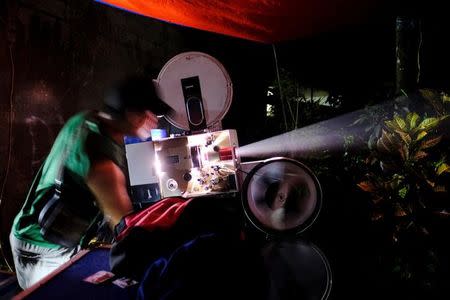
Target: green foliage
(405, 165)
(407, 172)
(295, 104)
(372, 118)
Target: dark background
(62, 54)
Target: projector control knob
(172, 184)
(187, 176)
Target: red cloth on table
(161, 215)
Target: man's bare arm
(108, 183)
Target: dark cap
(135, 93)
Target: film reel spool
(216, 88)
(281, 196)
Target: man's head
(134, 93)
(134, 100)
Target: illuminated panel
(186, 166)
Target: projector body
(280, 196)
(183, 166)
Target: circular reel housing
(197, 87)
(281, 196)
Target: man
(89, 152)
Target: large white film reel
(215, 84)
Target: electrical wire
(11, 115)
(418, 51)
(10, 129)
(256, 174)
(279, 86)
(297, 105)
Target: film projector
(281, 197)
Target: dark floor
(8, 285)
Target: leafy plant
(297, 105)
(408, 168)
(407, 171)
(401, 154)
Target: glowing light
(326, 137)
(157, 165)
(158, 134)
(270, 111)
(196, 140)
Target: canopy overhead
(266, 21)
